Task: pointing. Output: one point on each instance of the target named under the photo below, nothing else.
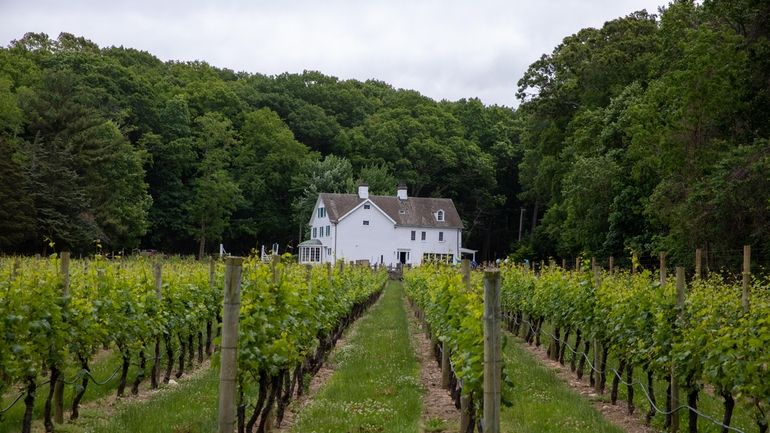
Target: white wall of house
(379, 241)
(318, 227)
(402, 241)
(373, 241)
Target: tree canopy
(113, 148)
(651, 133)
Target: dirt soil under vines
(616, 414)
(316, 383)
(437, 402)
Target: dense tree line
(651, 134)
(111, 148)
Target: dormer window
(440, 215)
(367, 206)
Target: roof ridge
(385, 196)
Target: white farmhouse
(382, 229)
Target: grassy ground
(376, 387)
(102, 368)
(707, 403)
(542, 403)
(190, 407)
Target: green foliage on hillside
(115, 145)
(651, 134)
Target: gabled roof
(418, 211)
(311, 243)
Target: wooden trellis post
(157, 273)
(663, 268)
(492, 352)
(445, 365)
(746, 277)
(228, 372)
(597, 345)
(212, 272)
(465, 269)
(58, 392)
(680, 288)
(698, 262)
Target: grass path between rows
(105, 366)
(376, 386)
(542, 402)
(189, 407)
(708, 402)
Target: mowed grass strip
(542, 402)
(376, 386)
(708, 402)
(102, 369)
(105, 368)
(190, 407)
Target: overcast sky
(444, 49)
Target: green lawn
(101, 370)
(707, 402)
(376, 387)
(542, 402)
(190, 407)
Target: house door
(402, 257)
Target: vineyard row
(58, 313)
(688, 335)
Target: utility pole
(521, 222)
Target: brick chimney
(401, 192)
(363, 191)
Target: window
(366, 222)
(328, 230)
(414, 235)
(438, 258)
(441, 236)
(367, 206)
(422, 236)
(440, 215)
(315, 254)
(321, 212)
(310, 254)
(315, 232)
(320, 232)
